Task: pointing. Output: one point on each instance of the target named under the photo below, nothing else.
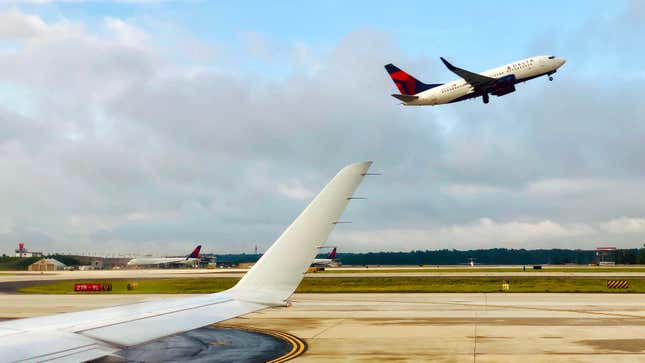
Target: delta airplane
(148, 261)
(497, 81)
(326, 262)
(92, 334)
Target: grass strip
(358, 285)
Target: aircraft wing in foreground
(87, 335)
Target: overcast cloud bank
(116, 139)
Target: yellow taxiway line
(298, 346)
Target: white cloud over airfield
(113, 142)
(486, 233)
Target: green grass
(360, 285)
(147, 286)
(470, 284)
(384, 269)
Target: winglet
(447, 64)
(279, 272)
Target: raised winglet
(279, 272)
(447, 64)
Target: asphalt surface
(210, 344)
(474, 327)
(498, 328)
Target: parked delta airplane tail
(408, 85)
(195, 253)
(332, 254)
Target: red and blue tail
(407, 84)
(195, 253)
(332, 254)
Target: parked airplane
(326, 262)
(192, 258)
(92, 334)
(497, 81)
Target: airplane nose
(562, 61)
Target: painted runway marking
(298, 346)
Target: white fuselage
(523, 70)
(160, 261)
(324, 262)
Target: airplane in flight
(497, 81)
(191, 258)
(326, 262)
(92, 334)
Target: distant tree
(641, 257)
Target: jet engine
(504, 85)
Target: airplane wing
(87, 335)
(476, 80)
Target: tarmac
(473, 327)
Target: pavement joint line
(475, 335)
(340, 321)
(516, 307)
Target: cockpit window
(552, 57)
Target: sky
(147, 127)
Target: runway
(427, 327)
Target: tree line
(493, 256)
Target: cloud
(125, 33)
(16, 25)
(482, 233)
(296, 190)
(624, 225)
(118, 146)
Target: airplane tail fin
(281, 269)
(332, 254)
(407, 85)
(195, 253)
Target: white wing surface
(86, 335)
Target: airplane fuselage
(161, 261)
(460, 90)
(324, 262)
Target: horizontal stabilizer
(405, 98)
